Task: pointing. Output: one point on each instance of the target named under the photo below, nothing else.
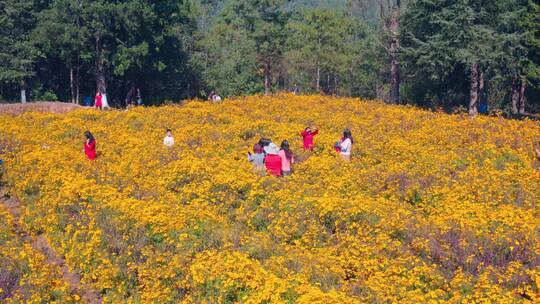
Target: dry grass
(40, 106)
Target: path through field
(41, 244)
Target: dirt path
(41, 244)
(44, 106)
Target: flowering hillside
(432, 207)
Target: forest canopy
(435, 54)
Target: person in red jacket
(98, 100)
(308, 135)
(90, 145)
(272, 161)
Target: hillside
(432, 207)
(42, 106)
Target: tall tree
(64, 20)
(390, 15)
(442, 40)
(262, 27)
(326, 52)
(134, 42)
(17, 51)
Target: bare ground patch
(41, 106)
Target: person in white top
(104, 102)
(345, 145)
(168, 140)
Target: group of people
(133, 98)
(266, 155)
(278, 161)
(214, 97)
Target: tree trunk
(77, 88)
(515, 96)
(23, 91)
(473, 103)
(335, 83)
(78, 67)
(101, 84)
(481, 85)
(522, 97)
(72, 84)
(318, 79)
(395, 96)
(266, 79)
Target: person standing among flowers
(537, 150)
(287, 158)
(98, 100)
(257, 158)
(169, 139)
(272, 161)
(104, 102)
(90, 145)
(308, 134)
(344, 146)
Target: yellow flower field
(433, 208)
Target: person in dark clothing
(129, 97)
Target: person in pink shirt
(287, 158)
(308, 135)
(272, 161)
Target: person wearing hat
(272, 161)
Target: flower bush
(432, 207)
(25, 276)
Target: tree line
(438, 54)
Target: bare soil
(40, 106)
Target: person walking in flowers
(308, 134)
(344, 146)
(90, 145)
(168, 140)
(287, 158)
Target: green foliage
(442, 39)
(176, 49)
(17, 52)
